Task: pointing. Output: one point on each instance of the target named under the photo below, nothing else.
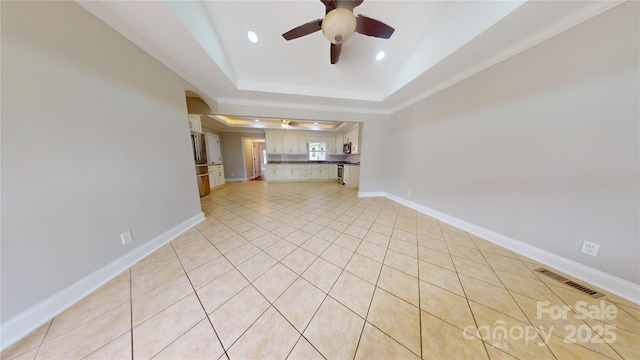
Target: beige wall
(542, 148)
(95, 141)
(232, 150)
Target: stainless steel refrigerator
(200, 158)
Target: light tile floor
(309, 270)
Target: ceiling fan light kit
(339, 23)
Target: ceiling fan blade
(304, 29)
(335, 52)
(370, 27)
(329, 5)
(348, 4)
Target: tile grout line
(512, 298)
(341, 272)
(131, 311)
(255, 288)
(199, 300)
(250, 284)
(373, 295)
(419, 292)
(484, 344)
(326, 295)
(41, 341)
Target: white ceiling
(435, 45)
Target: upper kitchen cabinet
(295, 142)
(194, 123)
(335, 147)
(302, 143)
(291, 143)
(274, 142)
(353, 136)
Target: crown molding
(556, 28)
(299, 106)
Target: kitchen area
(207, 157)
(314, 156)
(286, 154)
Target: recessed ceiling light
(252, 36)
(256, 119)
(380, 55)
(316, 123)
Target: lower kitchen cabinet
(288, 172)
(216, 176)
(320, 171)
(333, 175)
(351, 176)
(305, 172)
(301, 172)
(271, 172)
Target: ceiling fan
(339, 23)
(285, 123)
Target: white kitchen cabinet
(305, 172)
(287, 172)
(282, 172)
(302, 143)
(336, 149)
(291, 144)
(310, 172)
(351, 176)
(333, 172)
(295, 142)
(353, 136)
(274, 142)
(195, 124)
(216, 176)
(214, 156)
(320, 171)
(271, 172)
(295, 172)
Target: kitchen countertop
(312, 162)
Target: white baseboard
(615, 285)
(21, 325)
(235, 179)
(364, 194)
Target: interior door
(256, 154)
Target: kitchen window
(317, 151)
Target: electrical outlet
(126, 237)
(409, 193)
(590, 248)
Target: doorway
(258, 152)
(254, 164)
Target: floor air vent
(573, 284)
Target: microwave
(346, 148)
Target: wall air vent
(571, 283)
